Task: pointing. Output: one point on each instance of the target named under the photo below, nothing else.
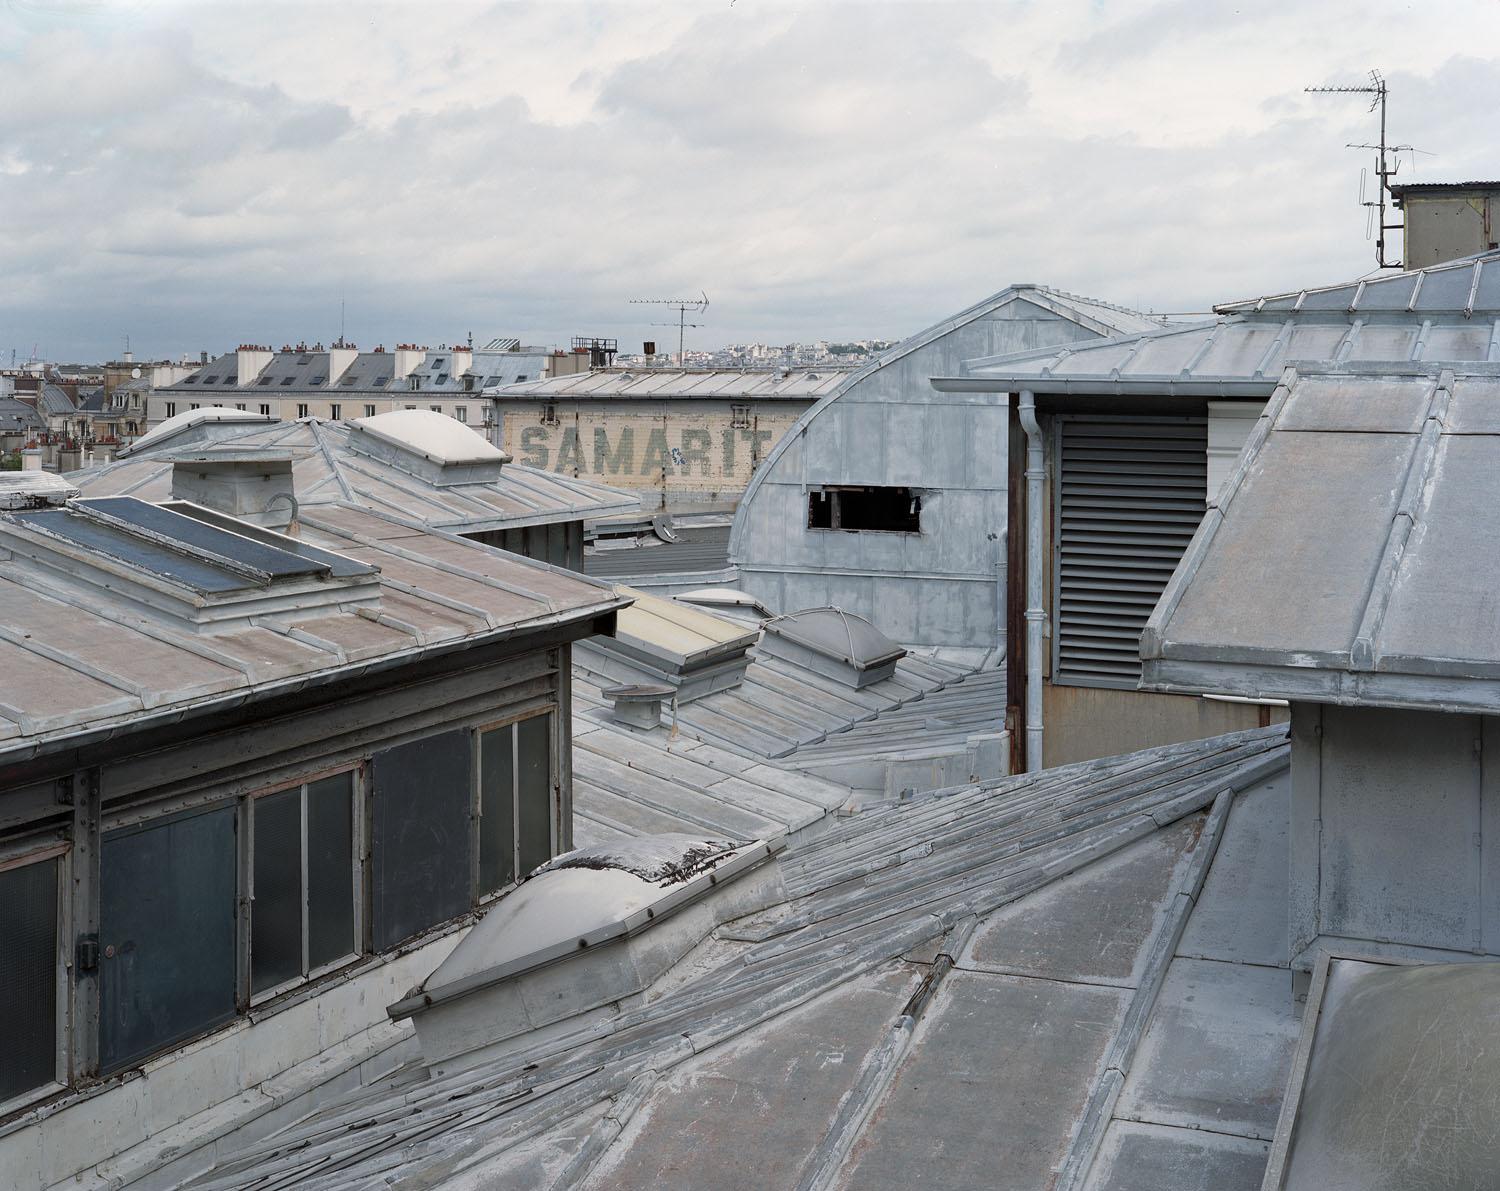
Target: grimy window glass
(421, 795)
(330, 870)
(28, 979)
(166, 933)
(534, 792)
(497, 808)
(876, 510)
(302, 909)
(276, 909)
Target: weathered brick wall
(684, 451)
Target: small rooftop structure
(387, 476)
(429, 445)
(194, 425)
(833, 642)
(33, 490)
(1393, 572)
(592, 927)
(662, 641)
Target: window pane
(534, 790)
(330, 869)
(421, 794)
(497, 809)
(276, 912)
(28, 979)
(166, 934)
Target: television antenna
(684, 307)
(1387, 157)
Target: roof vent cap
(834, 643)
(429, 445)
(194, 425)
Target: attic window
(347, 381)
(378, 382)
(317, 380)
(491, 380)
(874, 510)
(286, 380)
(190, 380)
(265, 380)
(520, 378)
(304, 360)
(739, 417)
(210, 380)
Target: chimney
(408, 356)
(250, 362)
(253, 487)
(463, 360)
(340, 356)
(202, 358)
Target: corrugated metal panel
(1130, 494)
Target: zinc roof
(674, 631)
(1391, 557)
(1044, 976)
(325, 469)
(82, 658)
(1444, 314)
(657, 384)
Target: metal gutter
(1036, 613)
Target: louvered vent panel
(1131, 494)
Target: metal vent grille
(1130, 494)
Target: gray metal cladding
(886, 426)
(1130, 496)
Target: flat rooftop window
(874, 510)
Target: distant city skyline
(171, 172)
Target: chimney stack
(250, 362)
(408, 356)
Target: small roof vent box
(33, 490)
(430, 445)
(662, 641)
(182, 562)
(834, 643)
(587, 929)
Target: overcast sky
(203, 174)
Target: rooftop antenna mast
(684, 307)
(1385, 168)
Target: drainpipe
(1036, 614)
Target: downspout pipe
(1036, 613)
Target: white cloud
(208, 173)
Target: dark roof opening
(880, 510)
